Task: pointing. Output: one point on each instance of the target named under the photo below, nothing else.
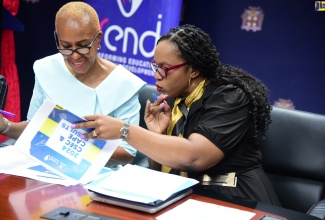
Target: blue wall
(288, 54)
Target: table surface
(23, 198)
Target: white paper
(51, 141)
(14, 162)
(11, 158)
(193, 210)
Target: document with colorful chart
(50, 140)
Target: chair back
(294, 157)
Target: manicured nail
(162, 105)
(73, 126)
(82, 136)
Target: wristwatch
(125, 130)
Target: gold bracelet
(7, 128)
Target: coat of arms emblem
(252, 19)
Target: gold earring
(189, 82)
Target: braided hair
(197, 48)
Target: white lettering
(113, 58)
(156, 35)
(117, 38)
(138, 44)
(136, 62)
(125, 40)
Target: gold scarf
(177, 114)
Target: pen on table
(7, 113)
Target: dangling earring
(99, 47)
(189, 82)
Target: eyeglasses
(80, 50)
(162, 71)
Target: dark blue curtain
(288, 54)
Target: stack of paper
(140, 188)
(139, 184)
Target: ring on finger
(94, 133)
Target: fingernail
(162, 105)
(73, 126)
(82, 136)
(165, 102)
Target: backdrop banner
(131, 30)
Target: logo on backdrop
(284, 103)
(252, 19)
(319, 5)
(135, 4)
(131, 29)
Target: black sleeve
(225, 118)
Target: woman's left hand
(157, 115)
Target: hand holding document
(56, 147)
